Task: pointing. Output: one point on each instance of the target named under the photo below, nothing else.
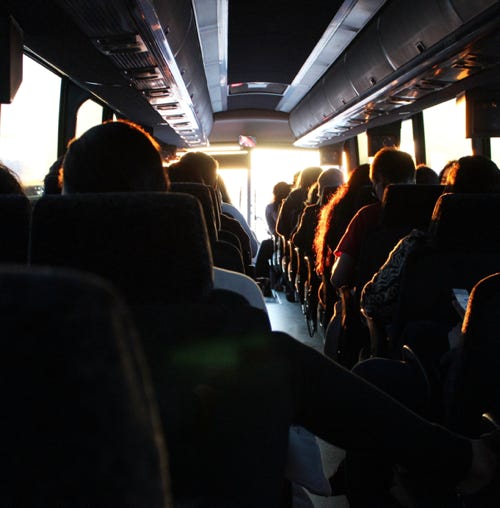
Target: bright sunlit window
(268, 168)
(89, 114)
(445, 133)
(495, 150)
(407, 144)
(363, 148)
(28, 131)
(236, 182)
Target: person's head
(391, 165)
(426, 175)
(308, 176)
(473, 174)
(116, 156)
(346, 197)
(359, 177)
(52, 182)
(331, 177)
(9, 182)
(443, 174)
(281, 191)
(201, 166)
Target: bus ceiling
(206, 71)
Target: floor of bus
(287, 317)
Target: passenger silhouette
(263, 260)
(52, 182)
(426, 175)
(389, 166)
(9, 182)
(333, 220)
(116, 156)
(294, 203)
(203, 166)
(470, 174)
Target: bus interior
(267, 89)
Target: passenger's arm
(343, 270)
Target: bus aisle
(287, 317)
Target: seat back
(152, 246)
(15, 213)
(202, 193)
(462, 250)
(79, 426)
(466, 222)
(409, 206)
(224, 254)
(404, 207)
(473, 386)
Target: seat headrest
(152, 246)
(78, 422)
(202, 193)
(466, 222)
(409, 205)
(481, 316)
(15, 215)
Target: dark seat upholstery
(463, 249)
(152, 246)
(226, 254)
(15, 213)
(465, 222)
(78, 425)
(473, 384)
(404, 207)
(202, 193)
(186, 329)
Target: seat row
(153, 253)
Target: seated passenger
(122, 157)
(426, 175)
(266, 247)
(470, 174)
(333, 221)
(9, 182)
(303, 236)
(294, 203)
(204, 166)
(389, 166)
(114, 157)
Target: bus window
(495, 150)
(28, 131)
(268, 168)
(89, 114)
(363, 148)
(445, 133)
(235, 181)
(407, 144)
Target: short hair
(308, 176)
(331, 177)
(426, 175)
(199, 165)
(281, 191)
(393, 166)
(9, 181)
(473, 173)
(116, 156)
